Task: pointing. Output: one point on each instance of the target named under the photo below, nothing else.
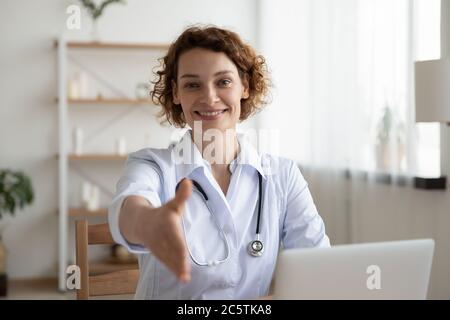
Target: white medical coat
(289, 219)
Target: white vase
(387, 158)
(121, 146)
(78, 141)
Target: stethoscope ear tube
(197, 185)
(256, 248)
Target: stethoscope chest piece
(255, 248)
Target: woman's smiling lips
(210, 114)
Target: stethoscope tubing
(255, 247)
(222, 233)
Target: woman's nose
(209, 95)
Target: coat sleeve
(302, 224)
(141, 177)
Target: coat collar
(188, 158)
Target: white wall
(28, 113)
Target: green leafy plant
(385, 126)
(388, 126)
(16, 191)
(96, 10)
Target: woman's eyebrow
(219, 73)
(222, 72)
(188, 75)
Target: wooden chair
(111, 283)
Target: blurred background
(360, 100)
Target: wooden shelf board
(104, 101)
(80, 212)
(114, 45)
(110, 101)
(95, 157)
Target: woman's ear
(176, 100)
(246, 91)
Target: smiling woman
(238, 62)
(209, 89)
(210, 226)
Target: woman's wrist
(141, 213)
(144, 220)
(135, 209)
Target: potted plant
(16, 191)
(390, 137)
(96, 11)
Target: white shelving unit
(65, 158)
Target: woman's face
(209, 89)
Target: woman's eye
(191, 85)
(225, 82)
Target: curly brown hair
(250, 65)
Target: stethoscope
(255, 247)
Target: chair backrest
(111, 283)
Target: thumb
(183, 193)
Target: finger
(184, 191)
(180, 267)
(169, 261)
(178, 264)
(172, 252)
(182, 194)
(181, 256)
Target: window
(427, 17)
(427, 46)
(344, 86)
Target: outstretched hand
(161, 231)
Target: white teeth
(214, 113)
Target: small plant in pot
(16, 191)
(95, 10)
(390, 138)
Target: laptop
(378, 270)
